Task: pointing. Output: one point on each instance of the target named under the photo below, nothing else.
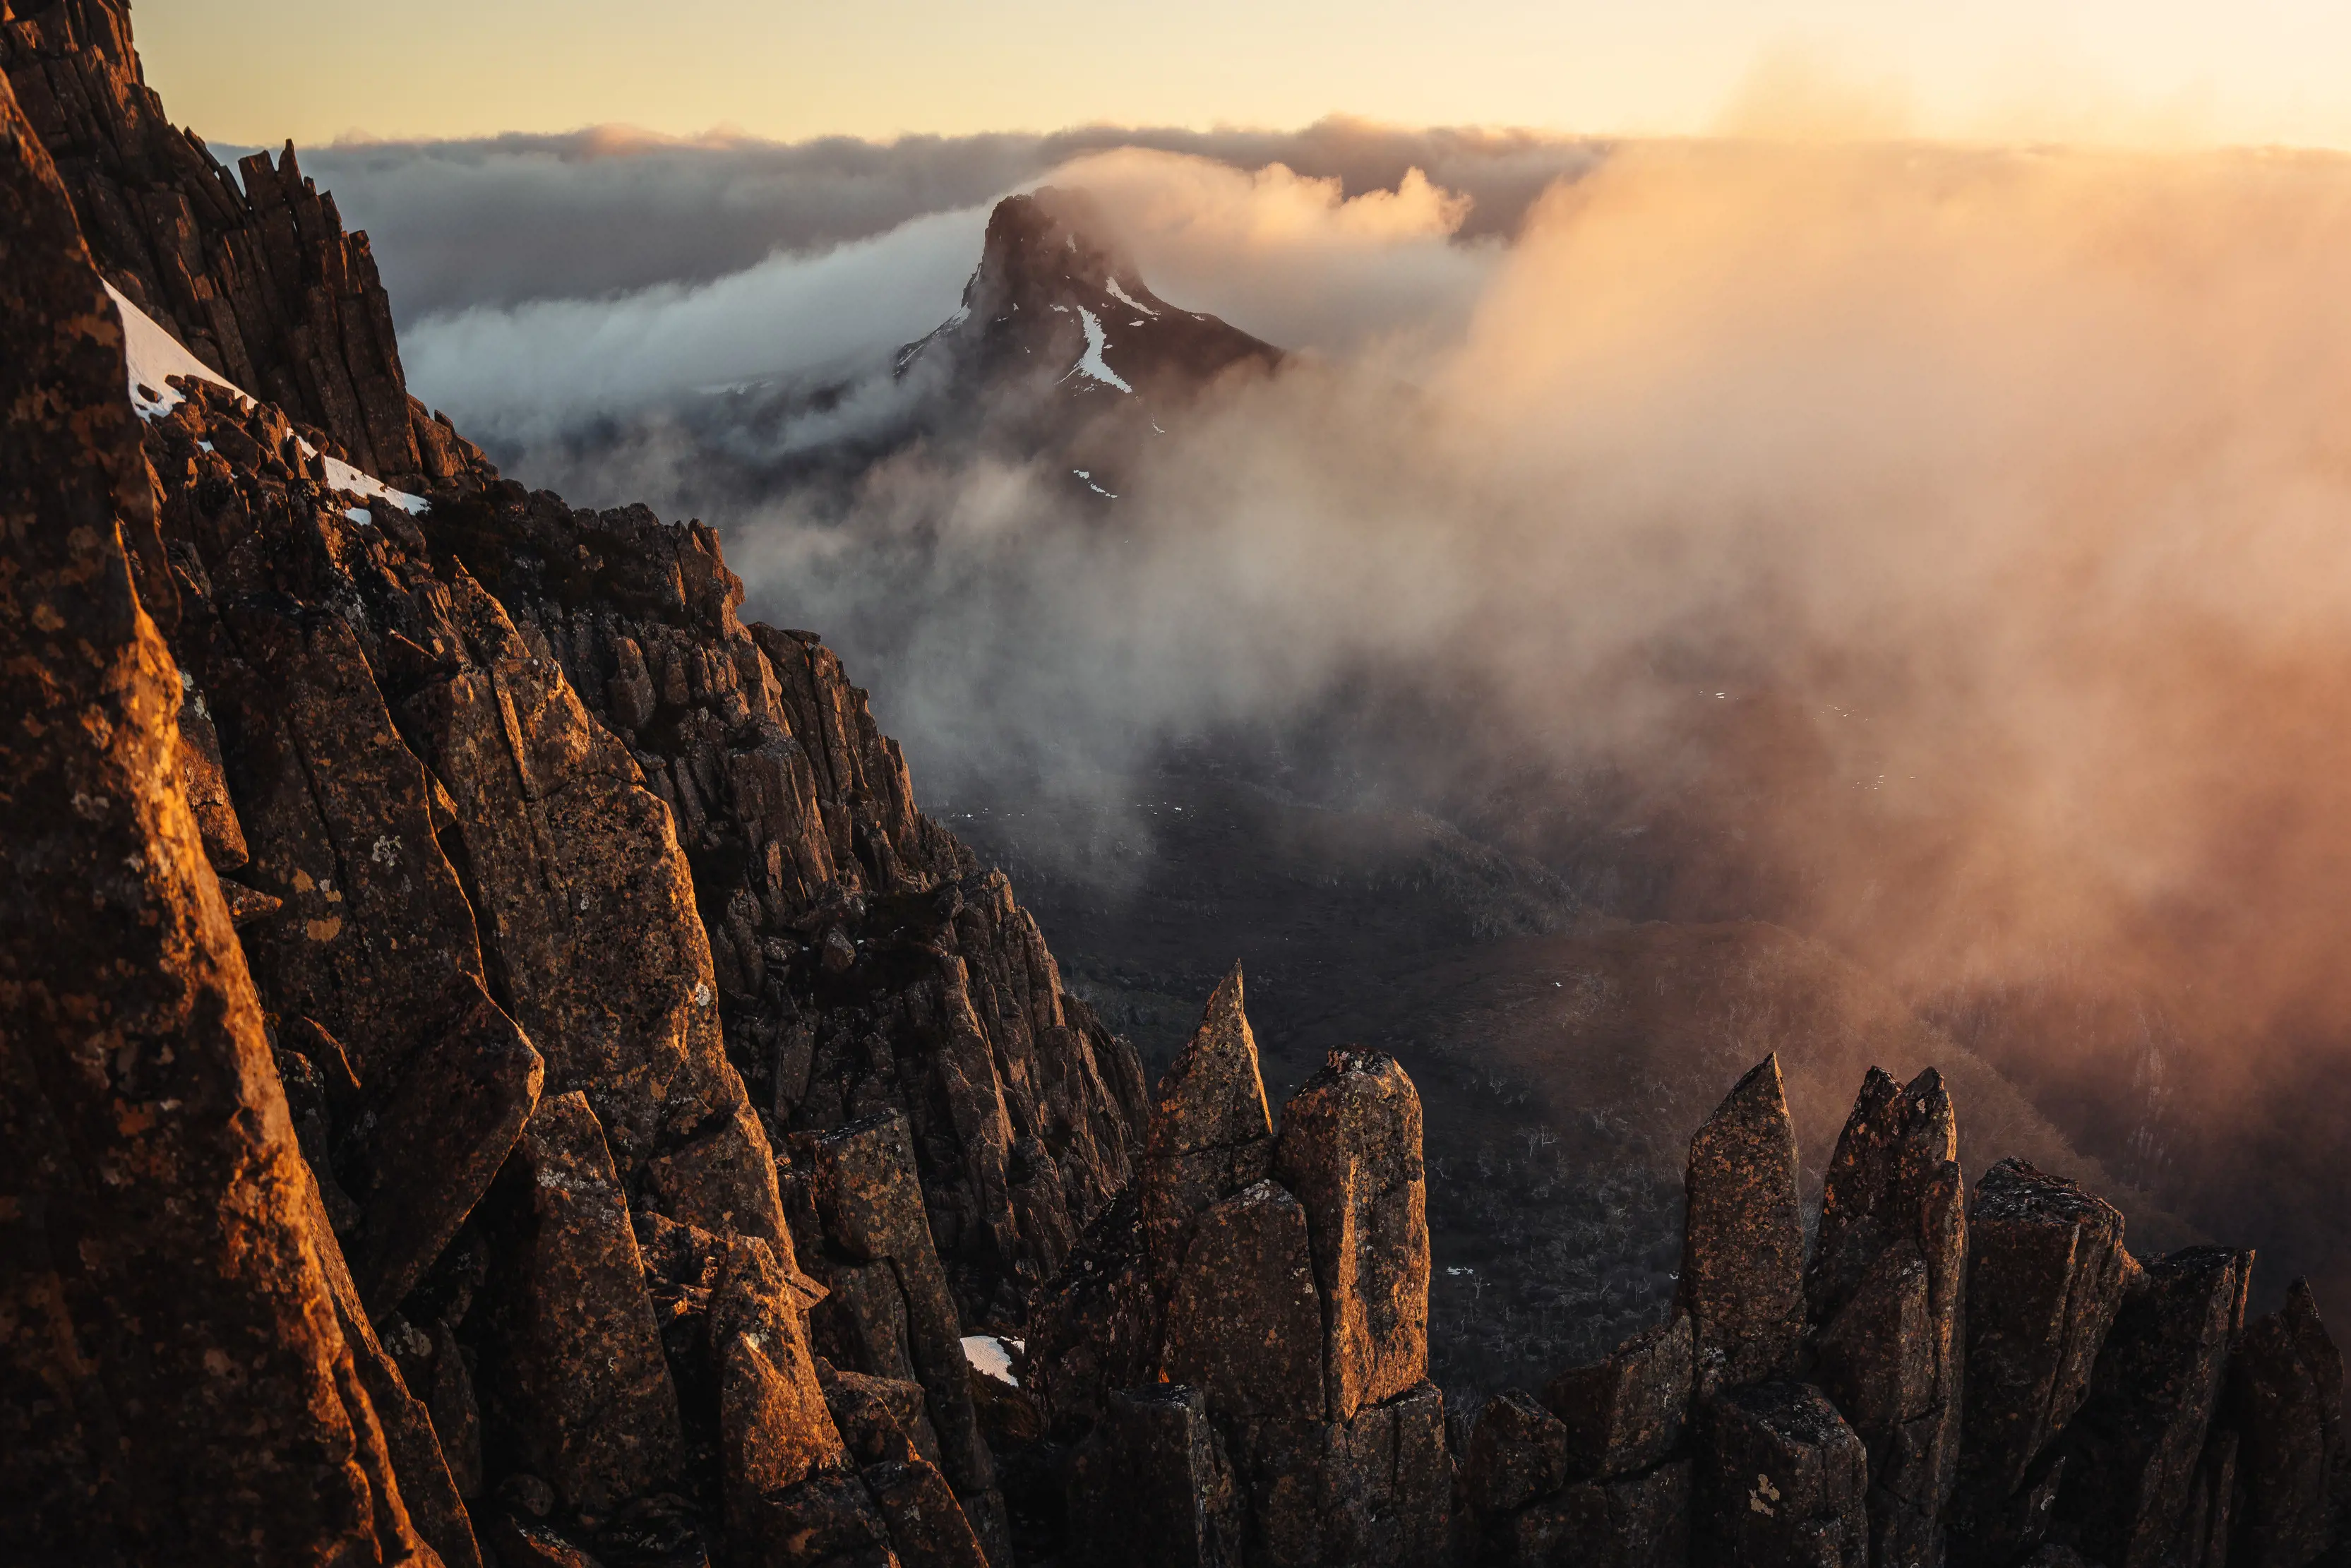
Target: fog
(1945, 550)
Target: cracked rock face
(164, 1285)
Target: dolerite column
(2285, 1402)
(2133, 1450)
(174, 1385)
(1743, 1245)
(1886, 1296)
(1209, 1134)
(870, 1204)
(1350, 1149)
(2045, 1277)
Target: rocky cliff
(521, 1124)
(499, 1069)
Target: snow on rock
(343, 477)
(154, 357)
(1091, 363)
(151, 357)
(1129, 300)
(986, 1354)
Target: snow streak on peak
(1129, 300)
(1092, 363)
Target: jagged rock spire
(1209, 1134)
(1351, 1150)
(1886, 1288)
(1743, 1248)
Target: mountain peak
(1056, 299)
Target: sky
(2164, 71)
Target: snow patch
(1129, 300)
(987, 1354)
(151, 357)
(154, 357)
(1091, 363)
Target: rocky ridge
(500, 1071)
(1937, 1378)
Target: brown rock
(581, 1381)
(1781, 1482)
(927, 1529)
(1245, 1326)
(2046, 1272)
(862, 1323)
(879, 1417)
(829, 1520)
(1742, 1280)
(1640, 1520)
(1350, 1149)
(1627, 1413)
(2285, 1401)
(1375, 1490)
(2133, 1448)
(1097, 1328)
(1887, 1293)
(1517, 1453)
(871, 1208)
(161, 1293)
(774, 1428)
(428, 1486)
(1209, 1134)
(201, 777)
(437, 1143)
(1150, 1486)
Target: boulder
(1245, 1326)
(775, 1429)
(829, 1520)
(926, 1528)
(1782, 1481)
(1096, 1328)
(1375, 1490)
(439, 1140)
(1640, 1520)
(1351, 1151)
(869, 1204)
(1517, 1452)
(1742, 1280)
(1627, 1413)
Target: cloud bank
(1946, 550)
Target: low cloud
(610, 211)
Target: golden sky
(2132, 70)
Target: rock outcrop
(559, 898)
(259, 280)
(175, 1380)
(1994, 1382)
(497, 1069)
(1249, 1349)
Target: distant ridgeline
(496, 1068)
